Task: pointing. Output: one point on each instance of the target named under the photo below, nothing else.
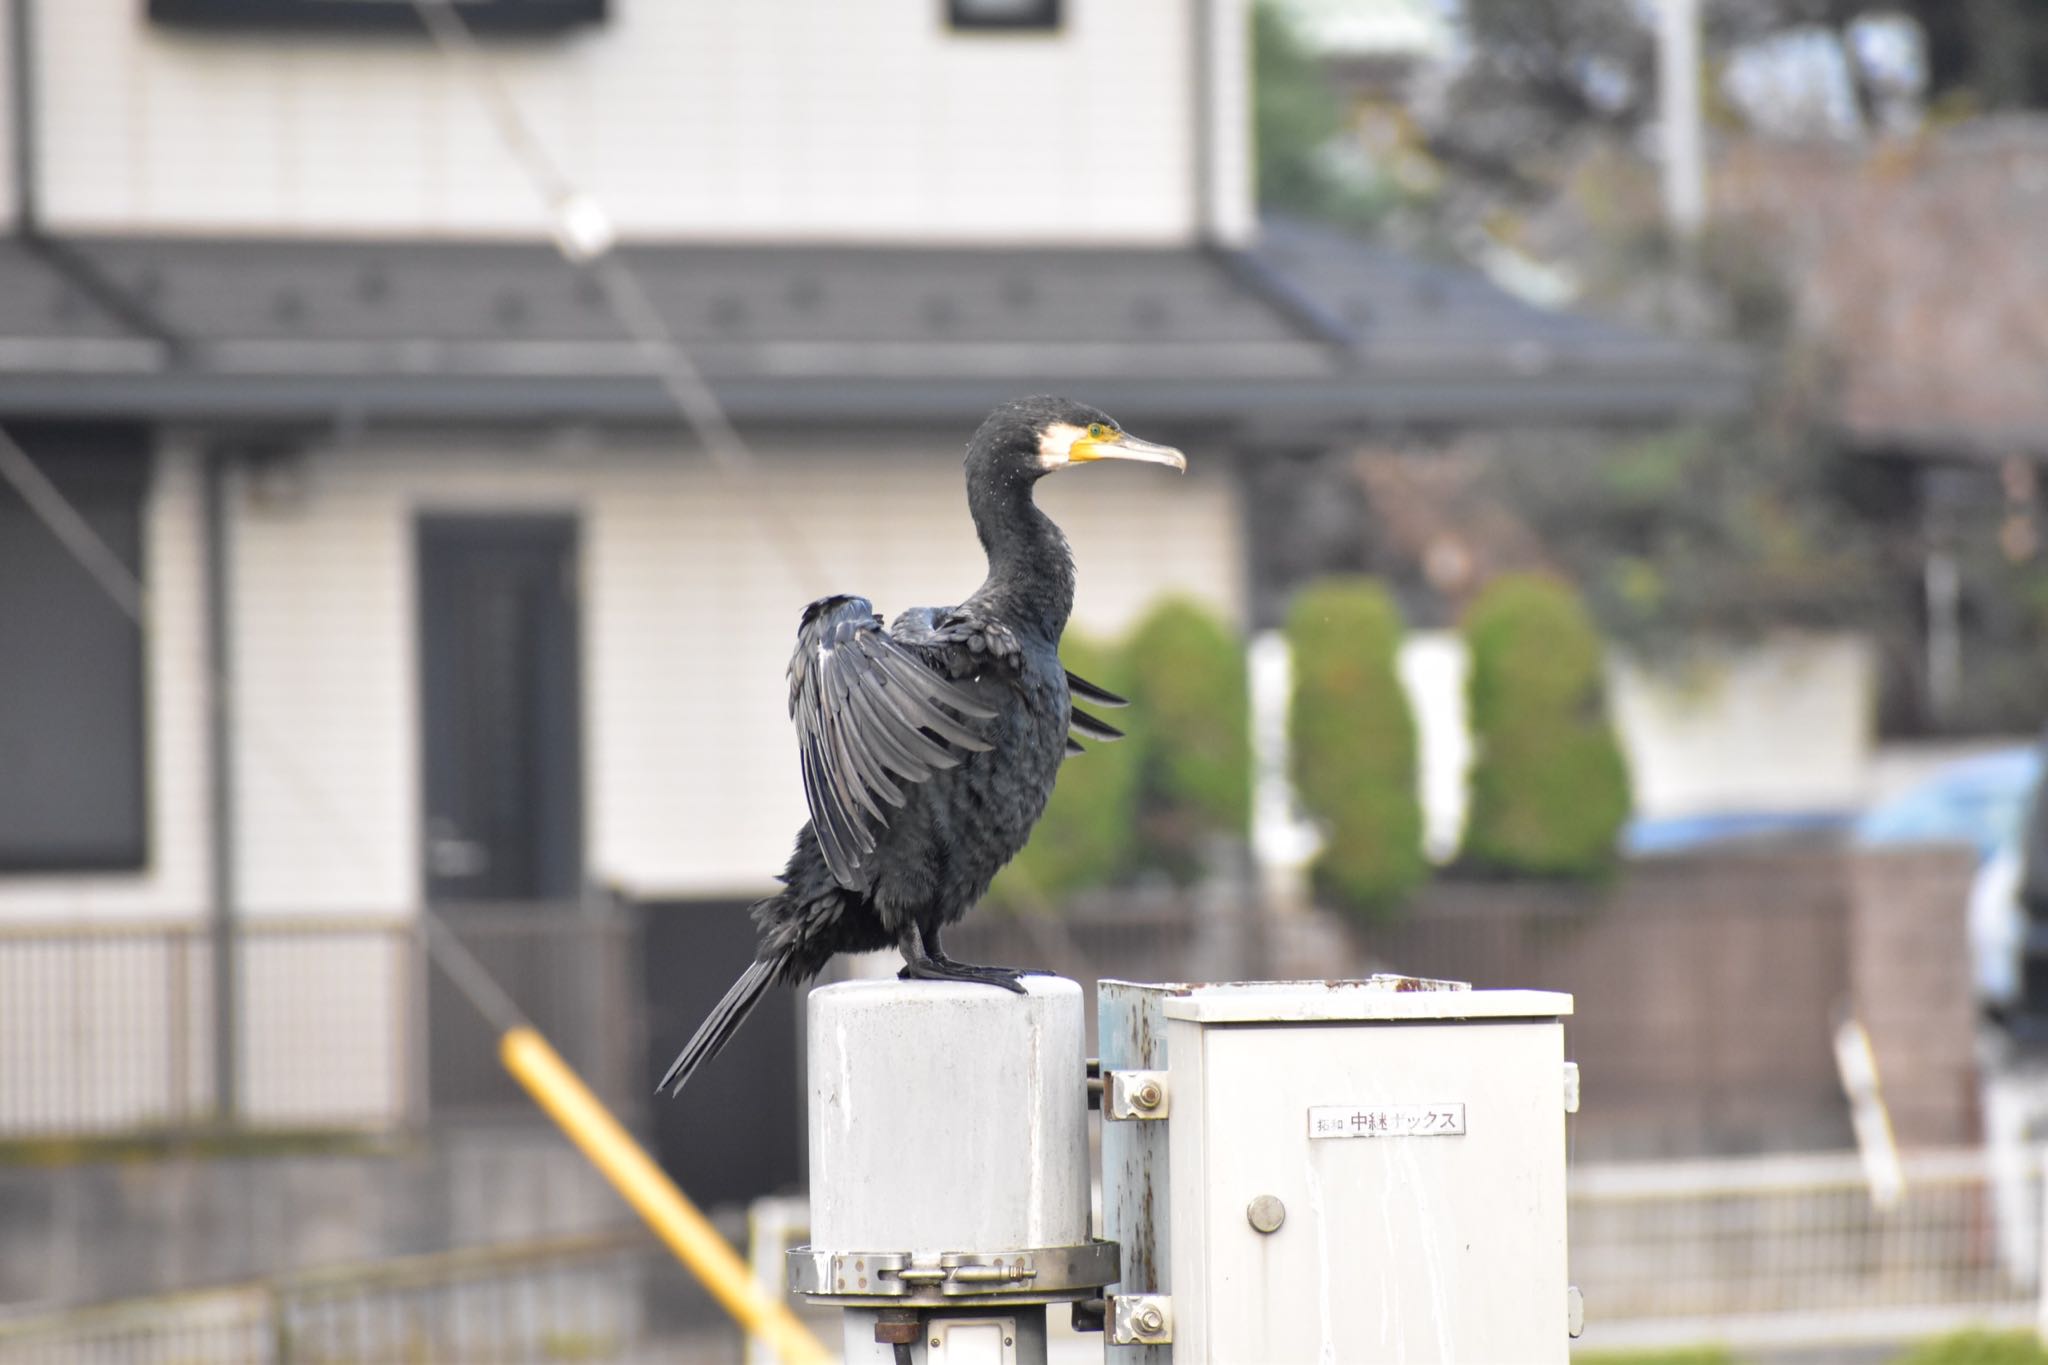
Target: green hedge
(1190, 720)
(1550, 790)
(1352, 744)
(1086, 837)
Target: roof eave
(1359, 402)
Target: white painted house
(280, 317)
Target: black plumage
(928, 750)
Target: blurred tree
(1087, 836)
(1711, 533)
(1542, 136)
(1304, 164)
(1546, 87)
(1190, 722)
(1352, 742)
(1707, 534)
(1550, 790)
(1541, 73)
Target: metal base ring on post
(1038, 1275)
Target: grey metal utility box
(1345, 1171)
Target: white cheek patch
(1056, 444)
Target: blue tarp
(1977, 801)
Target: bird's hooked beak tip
(1120, 445)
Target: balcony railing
(108, 1030)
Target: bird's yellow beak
(1118, 445)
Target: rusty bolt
(1150, 1320)
(1148, 1096)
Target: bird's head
(1032, 437)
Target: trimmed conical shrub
(1190, 715)
(1351, 741)
(1550, 789)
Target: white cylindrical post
(949, 1165)
(949, 1116)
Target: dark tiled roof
(1311, 327)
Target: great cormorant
(928, 750)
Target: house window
(1009, 14)
(492, 15)
(71, 719)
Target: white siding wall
(690, 776)
(7, 205)
(1231, 204)
(175, 882)
(781, 118)
(691, 785)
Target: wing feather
(1089, 727)
(1101, 696)
(871, 718)
(895, 752)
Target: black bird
(928, 750)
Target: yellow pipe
(655, 1197)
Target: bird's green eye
(1096, 431)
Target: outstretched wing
(870, 717)
(1080, 723)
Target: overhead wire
(71, 529)
(104, 565)
(585, 235)
(522, 1049)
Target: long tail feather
(719, 1026)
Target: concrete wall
(103, 1230)
(784, 118)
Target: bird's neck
(1030, 583)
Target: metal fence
(583, 1299)
(1791, 1251)
(573, 970)
(108, 1030)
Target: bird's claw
(945, 969)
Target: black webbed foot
(925, 961)
(946, 969)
